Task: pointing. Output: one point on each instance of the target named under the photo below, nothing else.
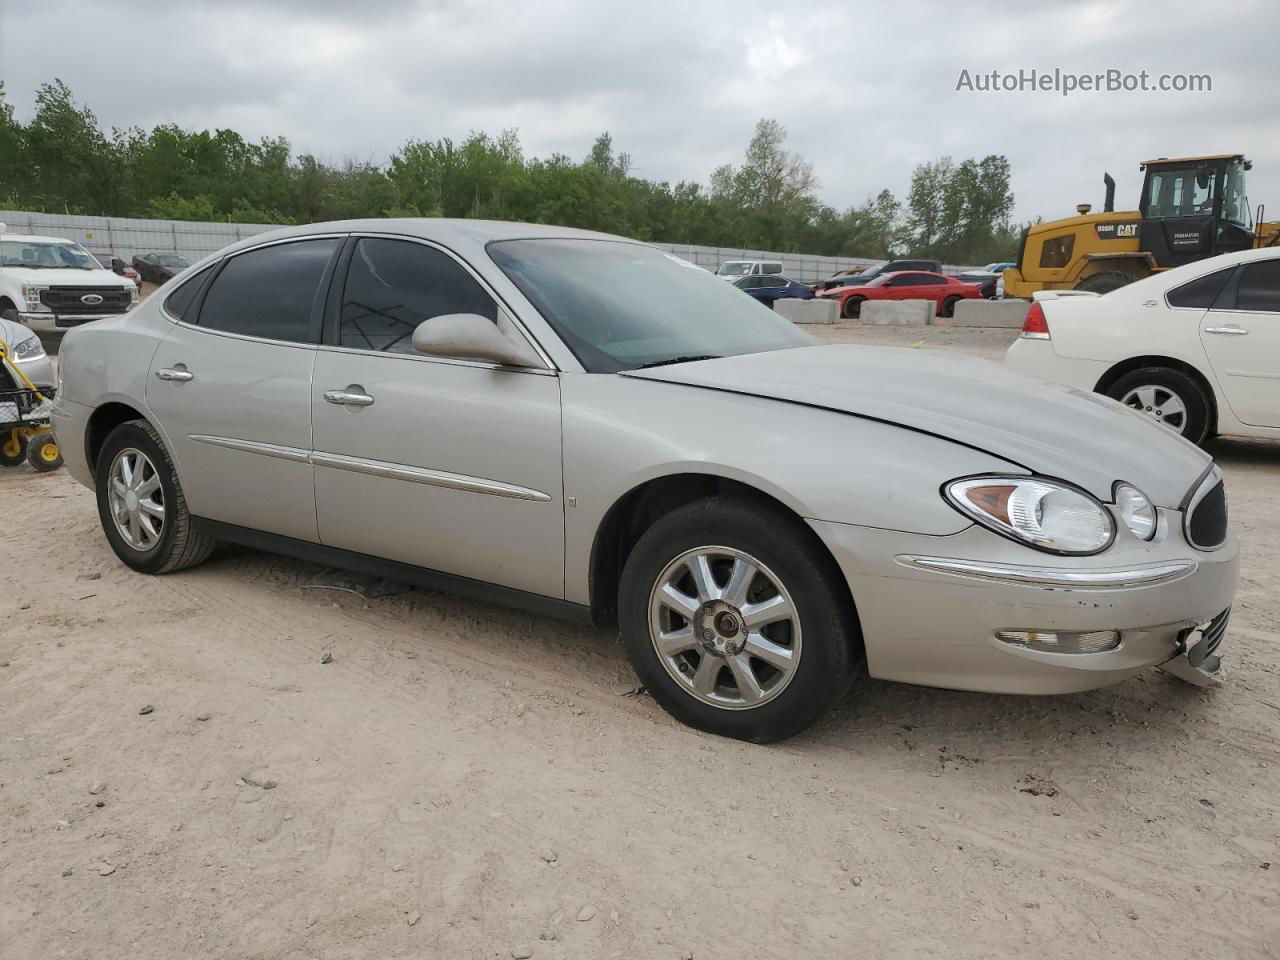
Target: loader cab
(1193, 208)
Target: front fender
(621, 432)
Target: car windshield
(620, 306)
(734, 268)
(171, 260)
(45, 255)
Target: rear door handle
(348, 398)
(1230, 329)
(178, 374)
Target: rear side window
(1200, 293)
(1260, 287)
(270, 292)
(179, 302)
(394, 285)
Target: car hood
(1050, 429)
(66, 278)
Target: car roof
(456, 234)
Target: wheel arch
(101, 422)
(635, 511)
(7, 304)
(1124, 367)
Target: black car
(893, 266)
(159, 267)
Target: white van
(736, 269)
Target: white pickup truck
(50, 284)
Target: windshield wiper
(689, 359)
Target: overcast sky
(865, 90)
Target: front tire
(949, 306)
(140, 503)
(851, 309)
(736, 619)
(1168, 396)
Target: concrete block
(990, 313)
(807, 311)
(898, 313)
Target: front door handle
(348, 398)
(1230, 329)
(178, 374)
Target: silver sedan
(585, 426)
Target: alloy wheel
(1160, 403)
(136, 499)
(725, 627)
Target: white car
(1196, 348)
(51, 284)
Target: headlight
(29, 349)
(1044, 514)
(1136, 511)
(31, 294)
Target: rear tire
(851, 309)
(709, 675)
(176, 543)
(1168, 396)
(1105, 282)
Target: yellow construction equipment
(1190, 208)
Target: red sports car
(905, 285)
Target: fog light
(1060, 641)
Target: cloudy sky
(865, 90)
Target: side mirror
(469, 336)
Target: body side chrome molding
(380, 468)
(1055, 578)
(295, 454)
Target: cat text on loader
(1190, 208)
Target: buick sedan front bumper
(973, 611)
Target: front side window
(619, 306)
(1260, 287)
(734, 268)
(394, 285)
(1181, 193)
(271, 292)
(1200, 293)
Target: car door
(902, 287)
(231, 385)
(1241, 337)
(451, 465)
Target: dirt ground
(460, 781)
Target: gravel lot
(461, 781)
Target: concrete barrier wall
(808, 311)
(990, 313)
(898, 313)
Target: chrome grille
(69, 301)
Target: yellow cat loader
(1190, 208)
